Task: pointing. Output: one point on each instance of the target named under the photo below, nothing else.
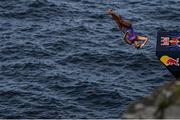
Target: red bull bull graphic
(169, 61)
(167, 41)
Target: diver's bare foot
(109, 11)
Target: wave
(36, 9)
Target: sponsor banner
(168, 50)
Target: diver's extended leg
(119, 20)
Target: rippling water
(67, 59)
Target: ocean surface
(67, 58)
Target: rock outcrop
(163, 103)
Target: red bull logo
(167, 41)
(168, 50)
(168, 61)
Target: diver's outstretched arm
(142, 45)
(145, 39)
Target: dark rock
(163, 103)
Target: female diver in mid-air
(129, 35)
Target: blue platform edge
(168, 50)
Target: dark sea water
(67, 59)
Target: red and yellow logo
(168, 61)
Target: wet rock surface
(164, 103)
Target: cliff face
(163, 103)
